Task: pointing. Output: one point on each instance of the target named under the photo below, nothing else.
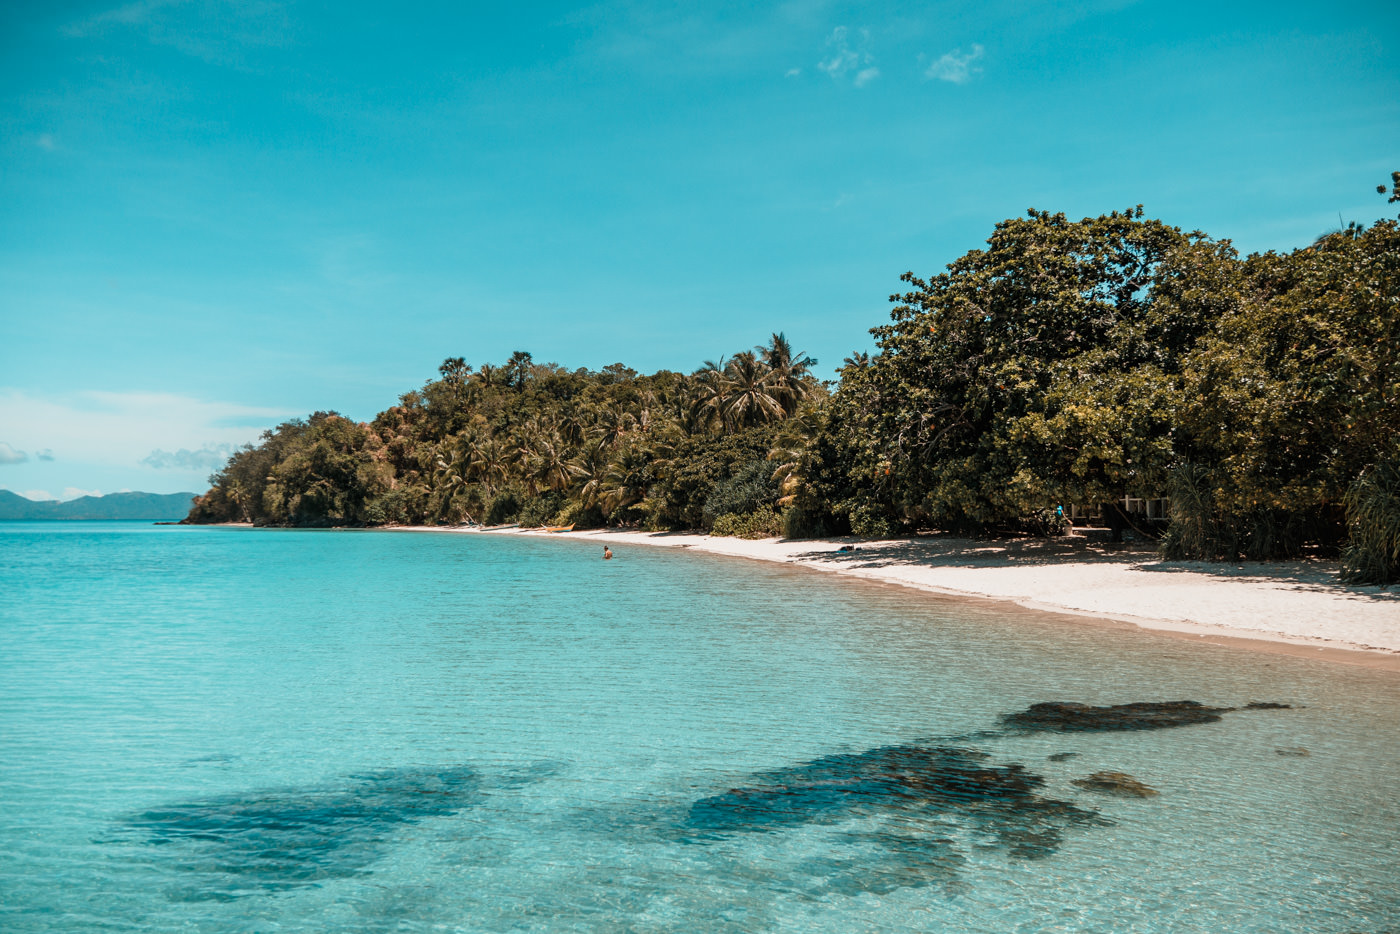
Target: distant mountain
(136, 507)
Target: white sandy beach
(1294, 607)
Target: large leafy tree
(1032, 372)
(1294, 389)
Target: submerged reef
(910, 807)
(1068, 717)
(1081, 718)
(1116, 783)
(274, 840)
(956, 784)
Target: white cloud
(45, 455)
(45, 141)
(38, 495)
(209, 457)
(848, 56)
(792, 72)
(956, 66)
(73, 492)
(125, 429)
(9, 455)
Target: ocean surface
(230, 730)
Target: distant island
(129, 507)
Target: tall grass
(1198, 531)
(1372, 556)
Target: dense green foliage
(1067, 362)
(536, 444)
(1085, 361)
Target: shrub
(799, 523)
(1372, 556)
(504, 508)
(394, 507)
(1198, 530)
(538, 510)
(580, 516)
(869, 521)
(751, 488)
(761, 523)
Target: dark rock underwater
(273, 840)
(906, 808)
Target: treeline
(1067, 362)
(540, 444)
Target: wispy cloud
(129, 428)
(792, 72)
(38, 496)
(957, 66)
(44, 455)
(209, 457)
(46, 142)
(73, 492)
(849, 55)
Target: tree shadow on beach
(1316, 576)
(938, 551)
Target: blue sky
(217, 215)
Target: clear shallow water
(228, 730)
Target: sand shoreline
(1294, 608)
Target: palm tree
(612, 423)
(709, 385)
(519, 369)
(749, 398)
(793, 453)
(451, 476)
(487, 377)
(622, 483)
(791, 372)
(520, 449)
(548, 466)
(572, 428)
(589, 466)
(489, 463)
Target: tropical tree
(1028, 374)
(549, 466)
(749, 393)
(790, 377)
(622, 483)
(518, 369)
(709, 388)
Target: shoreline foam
(1296, 608)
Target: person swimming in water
(607, 552)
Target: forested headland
(1065, 362)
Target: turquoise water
(230, 730)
